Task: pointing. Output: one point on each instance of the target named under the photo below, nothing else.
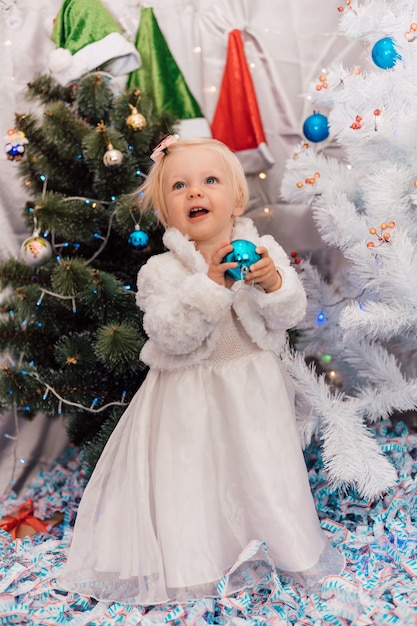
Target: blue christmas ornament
(244, 254)
(15, 146)
(384, 54)
(14, 152)
(316, 127)
(138, 239)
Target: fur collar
(183, 248)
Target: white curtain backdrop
(287, 45)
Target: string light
(91, 409)
(54, 295)
(105, 239)
(320, 318)
(326, 359)
(94, 402)
(15, 457)
(95, 204)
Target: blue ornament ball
(384, 54)
(15, 146)
(14, 151)
(316, 127)
(244, 254)
(138, 239)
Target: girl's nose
(195, 191)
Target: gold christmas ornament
(135, 121)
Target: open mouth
(197, 212)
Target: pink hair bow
(162, 147)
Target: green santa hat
(161, 79)
(88, 38)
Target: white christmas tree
(364, 203)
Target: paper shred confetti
(378, 540)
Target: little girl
(207, 456)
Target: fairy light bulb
(326, 359)
(320, 318)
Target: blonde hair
(151, 192)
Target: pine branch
(350, 453)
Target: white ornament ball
(36, 251)
(113, 158)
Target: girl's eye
(179, 185)
(211, 180)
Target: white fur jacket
(182, 306)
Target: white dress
(204, 460)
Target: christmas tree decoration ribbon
(12, 523)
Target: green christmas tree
(70, 329)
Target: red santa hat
(237, 121)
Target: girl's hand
(264, 272)
(217, 269)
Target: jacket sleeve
(181, 310)
(265, 314)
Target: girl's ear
(238, 210)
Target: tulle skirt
(204, 461)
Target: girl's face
(199, 196)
